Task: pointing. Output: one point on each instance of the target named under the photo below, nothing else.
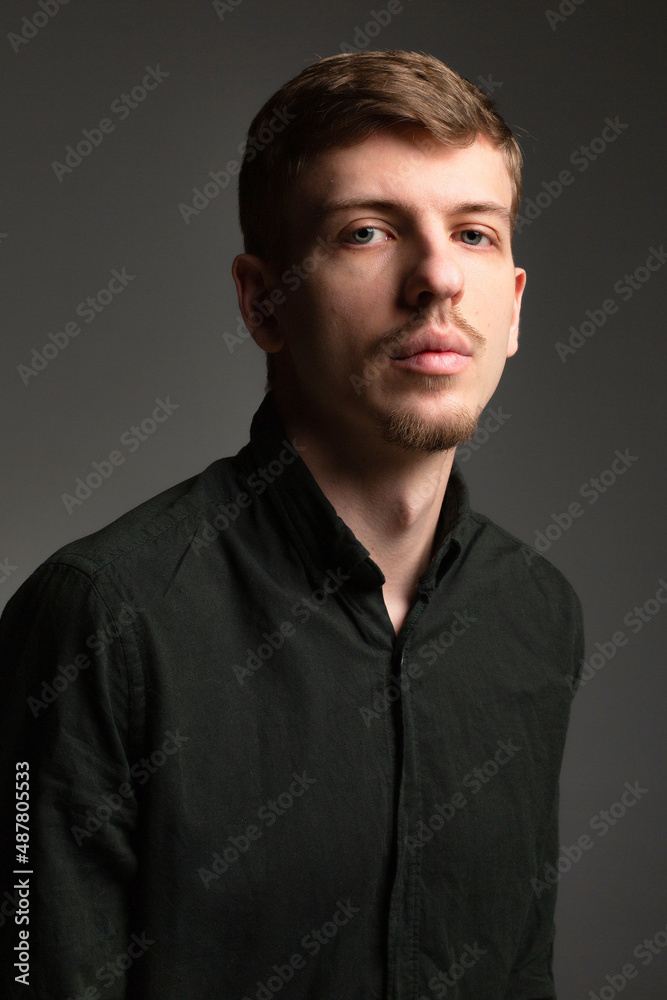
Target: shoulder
(523, 568)
(536, 603)
(156, 526)
(131, 551)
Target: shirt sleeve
(532, 974)
(65, 714)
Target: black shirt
(243, 783)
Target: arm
(66, 710)
(532, 973)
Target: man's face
(404, 238)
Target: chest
(398, 608)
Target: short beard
(413, 433)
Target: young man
(297, 723)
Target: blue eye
(367, 234)
(475, 234)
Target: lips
(432, 341)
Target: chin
(437, 431)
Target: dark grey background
(163, 336)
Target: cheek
(315, 321)
(303, 319)
(493, 303)
(338, 310)
(343, 288)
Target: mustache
(397, 337)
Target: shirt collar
(317, 530)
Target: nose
(433, 272)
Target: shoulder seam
(63, 557)
(133, 738)
(536, 556)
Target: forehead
(409, 167)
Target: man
(297, 723)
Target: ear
(519, 285)
(254, 285)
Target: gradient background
(163, 336)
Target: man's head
(411, 136)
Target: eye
(365, 234)
(472, 237)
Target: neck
(389, 497)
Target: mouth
(449, 340)
(434, 362)
(435, 353)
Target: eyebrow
(461, 208)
